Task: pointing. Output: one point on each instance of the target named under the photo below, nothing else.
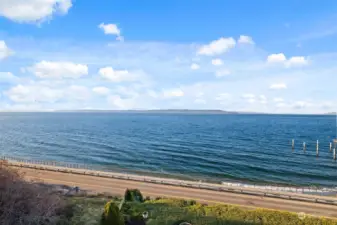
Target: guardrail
(83, 171)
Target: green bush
(112, 215)
(133, 195)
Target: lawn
(88, 210)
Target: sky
(251, 56)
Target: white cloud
(222, 97)
(4, 50)
(217, 47)
(276, 58)
(245, 40)
(117, 76)
(222, 73)
(263, 99)
(278, 100)
(301, 104)
(173, 93)
(31, 11)
(8, 77)
(277, 86)
(217, 62)
(77, 92)
(39, 92)
(195, 66)
(58, 70)
(111, 29)
(280, 58)
(33, 94)
(248, 96)
(281, 105)
(200, 101)
(297, 61)
(101, 90)
(326, 105)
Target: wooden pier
(332, 147)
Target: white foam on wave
(304, 190)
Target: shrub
(22, 202)
(111, 215)
(133, 195)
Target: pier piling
(317, 148)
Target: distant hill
(178, 111)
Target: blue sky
(261, 56)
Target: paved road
(117, 187)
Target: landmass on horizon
(185, 111)
(172, 111)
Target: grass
(169, 211)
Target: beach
(90, 180)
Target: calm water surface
(248, 148)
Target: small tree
(112, 215)
(133, 195)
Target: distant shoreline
(174, 111)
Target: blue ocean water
(242, 148)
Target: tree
(112, 215)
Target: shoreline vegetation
(31, 203)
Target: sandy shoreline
(184, 183)
(117, 187)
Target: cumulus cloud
(278, 86)
(297, 61)
(217, 47)
(245, 40)
(36, 92)
(217, 62)
(301, 104)
(173, 93)
(280, 58)
(111, 29)
(200, 101)
(278, 100)
(276, 58)
(281, 105)
(33, 94)
(58, 70)
(195, 66)
(8, 77)
(262, 99)
(223, 96)
(118, 76)
(222, 73)
(31, 11)
(101, 90)
(4, 50)
(251, 98)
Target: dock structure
(332, 147)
